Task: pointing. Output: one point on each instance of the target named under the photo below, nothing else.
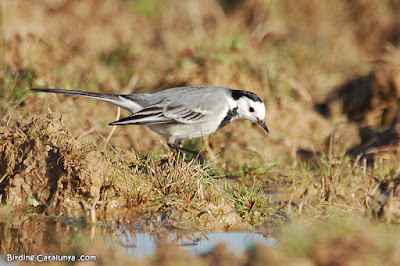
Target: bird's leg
(199, 155)
(180, 153)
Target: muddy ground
(328, 73)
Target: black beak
(264, 126)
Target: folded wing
(174, 111)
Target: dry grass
(319, 157)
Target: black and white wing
(186, 109)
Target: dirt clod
(43, 161)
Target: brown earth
(328, 73)
(45, 162)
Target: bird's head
(250, 107)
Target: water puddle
(144, 244)
(41, 235)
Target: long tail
(118, 100)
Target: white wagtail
(183, 113)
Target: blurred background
(328, 71)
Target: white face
(253, 111)
(250, 110)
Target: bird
(182, 113)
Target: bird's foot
(198, 155)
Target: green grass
(151, 9)
(252, 204)
(15, 88)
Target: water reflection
(54, 235)
(143, 244)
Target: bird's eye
(251, 109)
